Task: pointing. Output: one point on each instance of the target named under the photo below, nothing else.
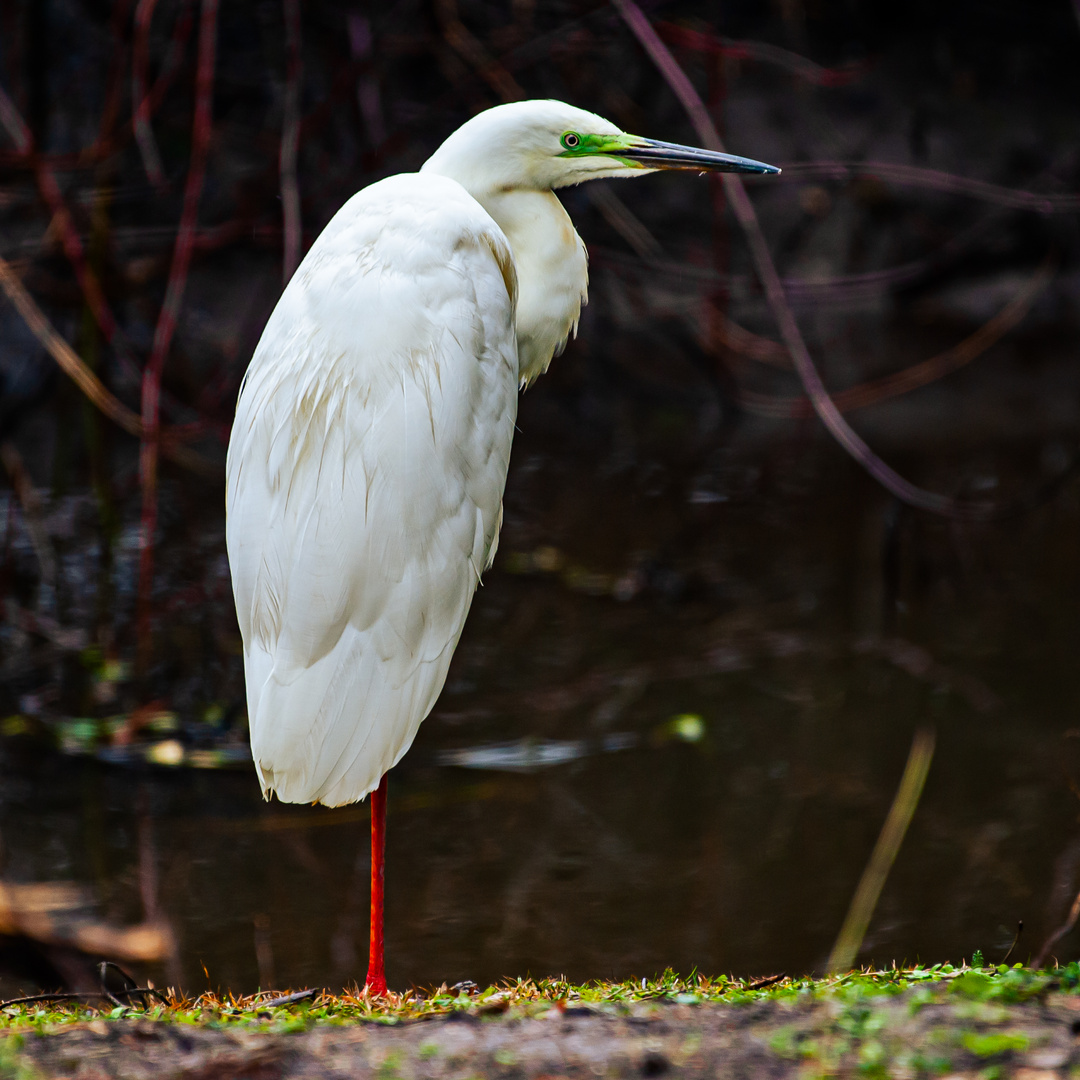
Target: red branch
(763, 52)
(744, 212)
(49, 188)
(114, 82)
(919, 374)
(170, 308)
(85, 379)
(109, 141)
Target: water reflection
(690, 773)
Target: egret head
(542, 145)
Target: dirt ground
(913, 1034)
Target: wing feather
(365, 478)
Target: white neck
(552, 269)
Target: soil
(913, 1034)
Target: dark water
(671, 733)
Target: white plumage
(372, 436)
(365, 481)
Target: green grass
(532, 997)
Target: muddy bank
(920, 1032)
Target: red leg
(376, 976)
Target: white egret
(372, 437)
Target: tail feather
(329, 733)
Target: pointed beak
(653, 154)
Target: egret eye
(571, 140)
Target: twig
(864, 901)
(921, 374)
(140, 99)
(744, 342)
(174, 55)
(792, 337)
(51, 997)
(170, 308)
(769, 980)
(68, 639)
(49, 189)
(104, 968)
(920, 664)
(115, 82)
(109, 141)
(1015, 940)
(83, 995)
(468, 46)
(287, 999)
(31, 505)
(70, 363)
(94, 389)
(839, 288)
(290, 138)
(63, 222)
(626, 223)
(914, 176)
(1058, 934)
(763, 52)
(146, 991)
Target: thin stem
(33, 517)
(166, 326)
(469, 47)
(88, 382)
(863, 903)
(792, 337)
(145, 991)
(49, 189)
(140, 98)
(114, 83)
(922, 373)
(762, 52)
(1058, 934)
(934, 180)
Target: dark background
(671, 547)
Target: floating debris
(61, 913)
(172, 753)
(167, 752)
(686, 727)
(529, 755)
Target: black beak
(654, 154)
